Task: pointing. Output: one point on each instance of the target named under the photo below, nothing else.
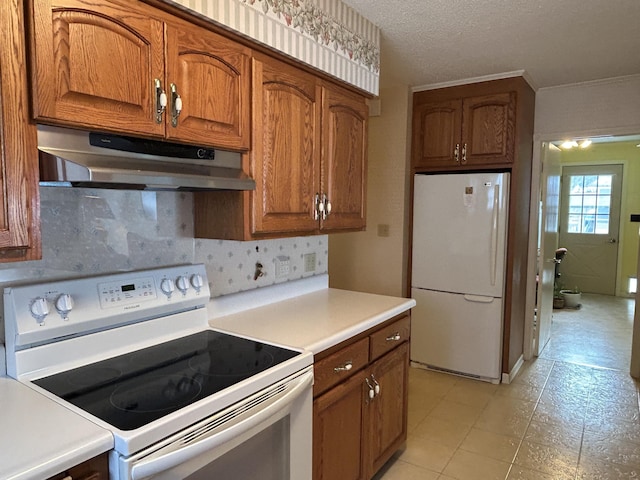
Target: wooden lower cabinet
(359, 423)
(96, 468)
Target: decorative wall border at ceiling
(326, 34)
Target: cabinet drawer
(339, 366)
(389, 337)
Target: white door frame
(536, 168)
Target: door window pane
(589, 204)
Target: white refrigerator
(457, 272)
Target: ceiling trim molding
(483, 78)
(600, 81)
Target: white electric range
(133, 352)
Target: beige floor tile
(613, 394)
(599, 445)
(471, 392)
(496, 422)
(450, 433)
(420, 405)
(597, 469)
(492, 445)
(555, 435)
(520, 473)
(426, 453)
(616, 430)
(508, 406)
(471, 466)
(613, 411)
(567, 417)
(456, 412)
(521, 391)
(547, 459)
(399, 470)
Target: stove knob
(197, 282)
(182, 283)
(39, 308)
(167, 286)
(64, 304)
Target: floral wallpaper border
(311, 20)
(326, 34)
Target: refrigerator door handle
(478, 298)
(494, 233)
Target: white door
(589, 227)
(459, 231)
(548, 243)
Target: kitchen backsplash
(94, 231)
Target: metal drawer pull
(394, 337)
(372, 392)
(344, 368)
(377, 385)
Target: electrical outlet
(309, 262)
(283, 266)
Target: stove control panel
(113, 294)
(41, 313)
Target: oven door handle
(161, 462)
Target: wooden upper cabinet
(285, 155)
(344, 158)
(436, 132)
(488, 129)
(465, 131)
(94, 63)
(102, 64)
(212, 76)
(19, 196)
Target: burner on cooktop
(156, 394)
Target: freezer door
(459, 232)
(462, 333)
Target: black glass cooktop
(134, 389)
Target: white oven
(133, 353)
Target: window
(589, 204)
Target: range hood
(87, 159)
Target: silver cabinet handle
(464, 154)
(456, 153)
(161, 100)
(372, 391)
(316, 207)
(176, 105)
(394, 337)
(376, 388)
(344, 368)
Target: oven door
(267, 435)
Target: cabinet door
(436, 134)
(19, 199)
(488, 128)
(94, 64)
(212, 76)
(338, 432)
(344, 158)
(285, 155)
(386, 415)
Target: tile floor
(564, 417)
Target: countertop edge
(360, 327)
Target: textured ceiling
(556, 42)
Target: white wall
(602, 107)
(364, 261)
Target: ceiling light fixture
(569, 144)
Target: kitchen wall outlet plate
(310, 262)
(283, 266)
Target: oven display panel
(116, 294)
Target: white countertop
(40, 438)
(313, 321)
